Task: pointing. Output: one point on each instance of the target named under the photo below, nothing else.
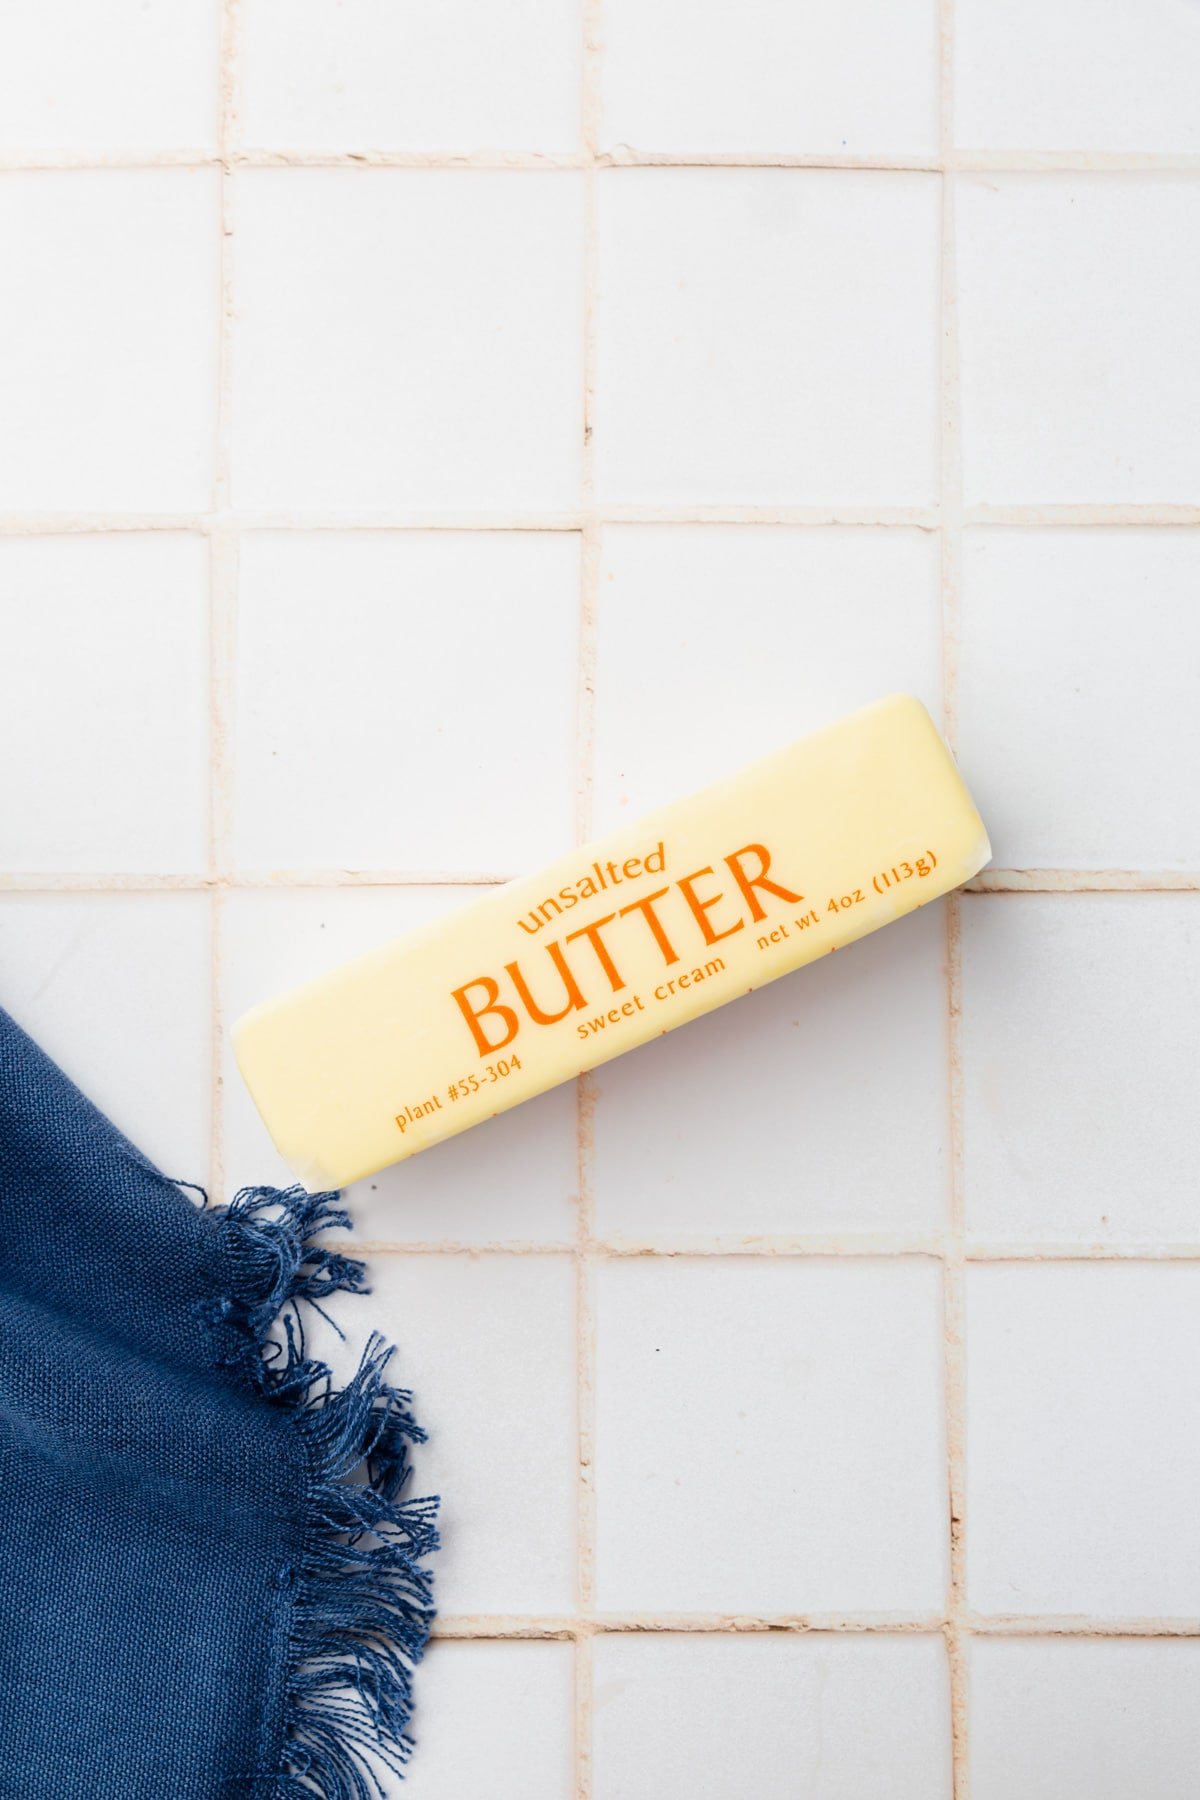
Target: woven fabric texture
(212, 1582)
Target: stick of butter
(612, 945)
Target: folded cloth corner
(212, 1577)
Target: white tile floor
(478, 603)
(769, 76)
(733, 365)
(108, 358)
(429, 435)
(713, 1716)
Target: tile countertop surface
(431, 435)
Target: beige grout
(1147, 514)
(589, 581)
(921, 518)
(61, 524)
(984, 1252)
(84, 881)
(585, 1377)
(135, 882)
(223, 574)
(955, 1363)
(1151, 516)
(1084, 162)
(582, 1627)
(216, 1153)
(951, 157)
(222, 601)
(1042, 1625)
(584, 1691)
(227, 129)
(585, 1308)
(953, 1265)
(369, 519)
(1027, 518)
(957, 158)
(862, 1248)
(1084, 881)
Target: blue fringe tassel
(363, 1605)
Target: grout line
(216, 1151)
(863, 1248)
(923, 518)
(962, 160)
(223, 579)
(589, 574)
(46, 524)
(584, 1689)
(1083, 1253)
(72, 881)
(223, 559)
(52, 524)
(858, 1249)
(59, 524)
(222, 601)
(1082, 1626)
(132, 882)
(953, 1267)
(1084, 881)
(1152, 516)
(1091, 162)
(955, 1363)
(585, 729)
(1033, 517)
(581, 1628)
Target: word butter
(614, 944)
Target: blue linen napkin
(211, 1579)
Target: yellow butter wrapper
(612, 945)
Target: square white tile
(104, 702)
(491, 1719)
(780, 1718)
(406, 700)
(513, 1179)
(108, 359)
(1099, 1720)
(408, 339)
(116, 989)
(367, 74)
(716, 644)
(1066, 75)
(1080, 358)
(767, 337)
(770, 76)
(1081, 1041)
(818, 1104)
(769, 1436)
(1078, 666)
(128, 75)
(487, 1345)
(1081, 1467)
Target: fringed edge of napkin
(362, 1604)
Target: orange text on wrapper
(600, 876)
(496, 1009)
